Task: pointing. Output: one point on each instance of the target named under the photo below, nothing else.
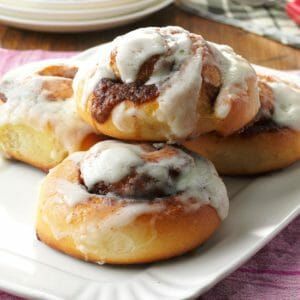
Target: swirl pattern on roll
(41, 95)
(165, 84)
(146, 172)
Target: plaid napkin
(268, 20)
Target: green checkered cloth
(268, 20)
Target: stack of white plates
(75, 15)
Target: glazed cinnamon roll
(124, 203)
(270, 142)
(162, 84)
(39, 124)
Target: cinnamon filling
(137, 186)
(59, 71)
(263, 125)
(266, 98)
(145, 71)
(108, 93)
(263, 120)
(211, 92)
(139, 183)
(58, 89)
(3, 98)
(211, 83)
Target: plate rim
(70, 24)
(292, 216)
(133, 5)
(25, 291)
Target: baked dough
(39, 123)
(126, 203)
(165, 84)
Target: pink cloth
(10, 59)
(273, 273)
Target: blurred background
(257, 29)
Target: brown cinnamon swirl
(126, 203)
(161, 84)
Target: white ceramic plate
(80, 26)
(67, 4)
(260, 208)
(82, 14)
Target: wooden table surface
(256, 49)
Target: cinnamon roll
(39, 124)
(166, 84)
(270, 142)
(124, 203)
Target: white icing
(109, 165)
(291, 77)
(28, 103)
(93, 234)
(160, 171)
(198, 184)
(179, 48)
(72, 194)
(286, 92)
(123, 118)
(176, 74)
(111, 161)
(76, 157)
(90, 73)
(129, 213)
(202, 182)
(178, 99)
(286, 104)
(235, 70)
(135, 48)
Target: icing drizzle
(42, 101)
(179, 58)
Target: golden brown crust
(261, 146)
(24, 143)
(59, 71)
(40, 149)
(151, 236)
(57, 90)
(151, 128)
(242, 111)
(260, 152)
(174, 235)
(148, 130)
